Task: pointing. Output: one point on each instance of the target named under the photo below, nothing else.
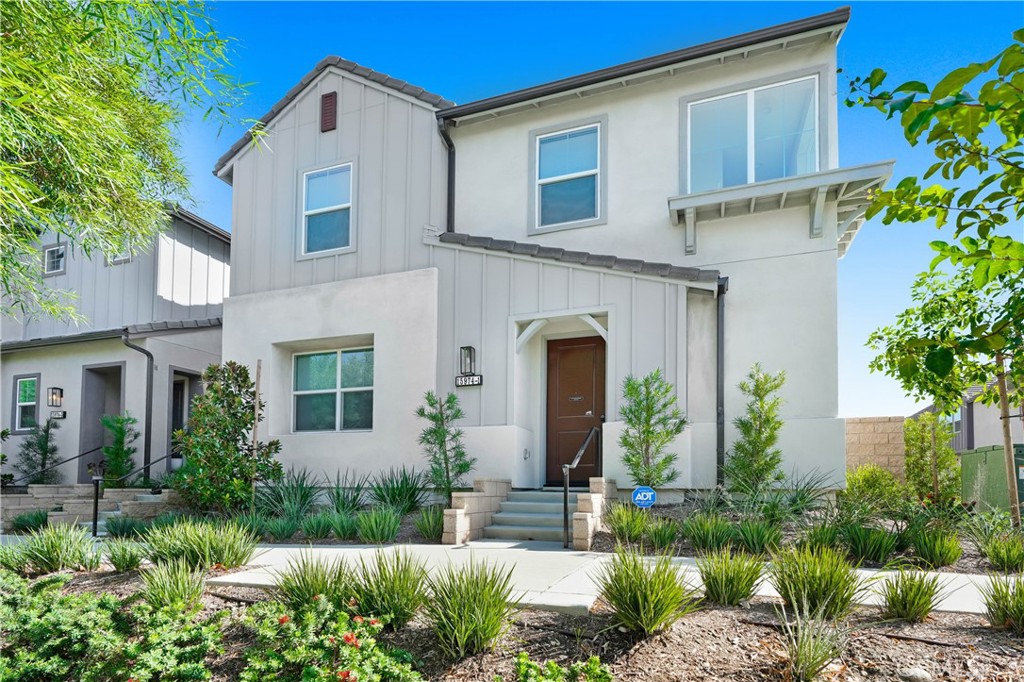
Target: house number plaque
(469, 380)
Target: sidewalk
(547, 577)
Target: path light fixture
(467, 360)
(54, 396)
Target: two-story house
(529, 251)
(150, 324)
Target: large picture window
(755, 135)
(327, 209)
(568, 176)
(333, 390)
(26, 401)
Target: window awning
(849, 188)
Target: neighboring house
(977, 425)
(165, 301)
(530, 250)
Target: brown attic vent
(328, 111)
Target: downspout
(442, 128)
(148, 441)
(723, 287)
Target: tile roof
(614, 263)
(115, 333)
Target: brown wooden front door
(575, 405)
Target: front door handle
(589, 413)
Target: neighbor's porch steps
(72, 504)
(531, 515)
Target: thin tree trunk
(1004, 417)
(935, 457)
(256, 423)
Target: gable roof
(622, 265)
(199, 223)
(621, 71)
(404, 87)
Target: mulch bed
(971, 561)
(714, 644)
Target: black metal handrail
(96, 480)
(594, 430)
(53, 466)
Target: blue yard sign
(644, 497)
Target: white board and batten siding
(399, 166)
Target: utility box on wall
(984, 476)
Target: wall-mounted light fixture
(54, 396)
(467, 360)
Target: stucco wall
(988, 427)
(875, 440)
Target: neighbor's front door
(575, 405)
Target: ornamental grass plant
(202, 545)
(174, 584)
(379, 525)
(430, 523)
(1004, 602)
(58, 548)
(820, 580)
(937, 547)
(707, 532)
(646, 595)
(910, 596)
(124, 554)
(392, 586)
(470, 607)
(627, 524)
(729, 578)
(308, 578)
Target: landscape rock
(914, 675)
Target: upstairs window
(568, 176)
(54, 259)
(755, 135)
(327, 209)
(333, 391)
(26, 391)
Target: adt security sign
(644, 497)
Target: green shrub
(729, 579)
(346, 493)
(254, 522)
(344, 525)
(651, 422)
(627, 523)
(1006, 552)
(378, 525)
(757, 536)
(755, 462)
(118, 457)
(392, 587)
(590, 671)
(981, 528)
(13, 559)
(442, 442)
(282, 529)
(870, 544)
(222, 463)
(1004, 603)
(293, 496)
(321, 644)
(58, 548)
(910, 596)
(202, 545)
(812, 642)
(646, 596)
(807, 491)
(307, 577)
(470, 607)
(819, 581)
(124, 554)
(125, 527)
(430, 523)
(663, 533)
(707, 532)
(29, 521)
(936, 547)
(37, 451)
(920, 435)
(871, 490)
(55, 637)
(168, 518)
(402, 489)
(823, 534)
(174, 584)
(318, 526)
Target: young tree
(118, 457)
(754, 463)
(442, 441)
(976, 140)
(222, 460)
(652, 421)
(92, 95)
(932, 468)
(37, 451)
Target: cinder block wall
(875, 440)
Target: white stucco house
(151, 323)
(528, 251)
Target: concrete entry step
(529, 519)
(549, 497)
(85, 507)
(536, 507)
(524, 533)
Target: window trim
(16, 427)
(63, 262)
(601, 172)
(823, 119)
(338, 408)
(303, 254)
(120, 259)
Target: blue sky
(468, 50)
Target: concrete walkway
(547, 577)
